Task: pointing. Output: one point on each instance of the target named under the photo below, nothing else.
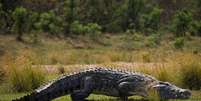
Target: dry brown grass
(19, 72)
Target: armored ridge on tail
(106, 82)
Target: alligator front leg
(124, 98)
(124, 90)
(80, 95)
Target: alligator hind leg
(80, 95)
(124, 98)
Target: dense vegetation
(65, 16)
(164, 35)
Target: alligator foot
(80, 95)
(124, 98)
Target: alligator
(107, 82)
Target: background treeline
(74, 17)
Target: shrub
(93, 30)
(20, 16)
(179, 43)
(24, 21)
(134, 10)
(151, 22)
(191, 75)
(182, 22)
(196, 28)
(77, 28)
(2, 21)
(33, 18)
(21, 76)
(153, 40)
(49, 22)
(132, 40)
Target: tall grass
(191, 75)
(21, 76)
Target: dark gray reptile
(106, 82)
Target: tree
(20, 16)
(69, 14)
(182, 22)
(135, 9)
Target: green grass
(8, 97)
(64, 52)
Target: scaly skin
(105, 82)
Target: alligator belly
(108, 92)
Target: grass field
(52, 57)
(8, 97)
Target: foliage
(196, 28)
(191, 75)
(182, 22)
(135, 8)
(49, 22)
(2, 21)
(132, 40)
(77, 28)
(153, 40)
(91, 29)
(31, 20)
(179, 42)
(151, 21)
(20, 16)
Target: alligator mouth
(186, 94)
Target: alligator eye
(172, 90)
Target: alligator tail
(56, 88)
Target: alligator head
(170, 91)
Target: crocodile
(107, 82)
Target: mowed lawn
(8, 97)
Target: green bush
(49, 22)
(31, 20)
(77, 28)
(153, 40)
(20, 16)
(134, 11)
(151, 21)
(92, 30)
(179, 42)
(132, 40)
(191, 75)
(196, 28)
(182, 22)
(2, 21)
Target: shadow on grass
(119, 100)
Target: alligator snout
(186, 94)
